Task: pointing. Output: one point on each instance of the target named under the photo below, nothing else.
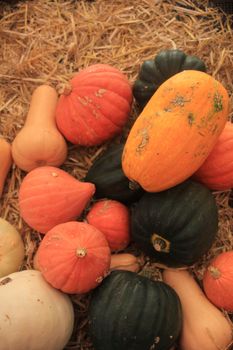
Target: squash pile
(153, 190)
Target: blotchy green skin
(154, 72)
(185, 215)
(107, 175)
(131, 312)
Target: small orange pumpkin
(94, 106)
(49, 196)
(176, 131)
(217, 171)
(5, 162)
(74, 257)
(111, 218)
(218, 281)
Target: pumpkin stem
(81, 252)
(215, 273)
(64, 89)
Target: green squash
(132, 312)
(177, 226)
(154, 72)
(110, 181)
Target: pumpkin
(218, 281)
(33, 315)
(138, 313)
(5, 162)
(177, 226)
(49, 196)
(176, 131)
(74, 257)
(112, 218)
(11, 248)
(204, 326)
(217, 170)
(94, 106)
(126, 261)
(154, 72)
(110, 181)
(39, 142)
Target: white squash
(204, 326)
(11, 248)
(33, 315)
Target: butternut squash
(5, 162)
(39, 142)
(204, 326)
(125, 261)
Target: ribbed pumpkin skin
(74, 257)
(132, 312)
(176, 131)
(164, 65)
(218, 281)
(49, 196)
(97, 106)
(217, 170)
(185, 220)
(110, 181)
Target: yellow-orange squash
(39, 142)
(176, 130)
(5, 162)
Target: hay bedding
(45, 41)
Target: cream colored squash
(204, 326)
(11, 248)
(34, 315)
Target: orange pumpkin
(74, 257)
(39, 142)
(112, 218)
(176, 131)
(218, 281)
(49, 196)
(94, 106)
(217, 170)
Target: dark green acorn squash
(132, 312)
(154, 72)
(177, 226)
(107, 175)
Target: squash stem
(215, 273)
(81, 252)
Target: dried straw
(45, 41)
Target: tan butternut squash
(126, 261)
(5, 162)
(39, 142)
(204, 326)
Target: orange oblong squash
(176, 131)
(49, 196)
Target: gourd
(74, 257)
(49, 196)
(217, 171)
(138, 313)
(39, 142)
(154, 72)
(126, 261)
(112, 218)
(5, 162)
(94, 106)
(11, 248)
(33, 315)
(110, 181)
(218, 279)
(177, 226)
(204, 326)
(176, 131)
